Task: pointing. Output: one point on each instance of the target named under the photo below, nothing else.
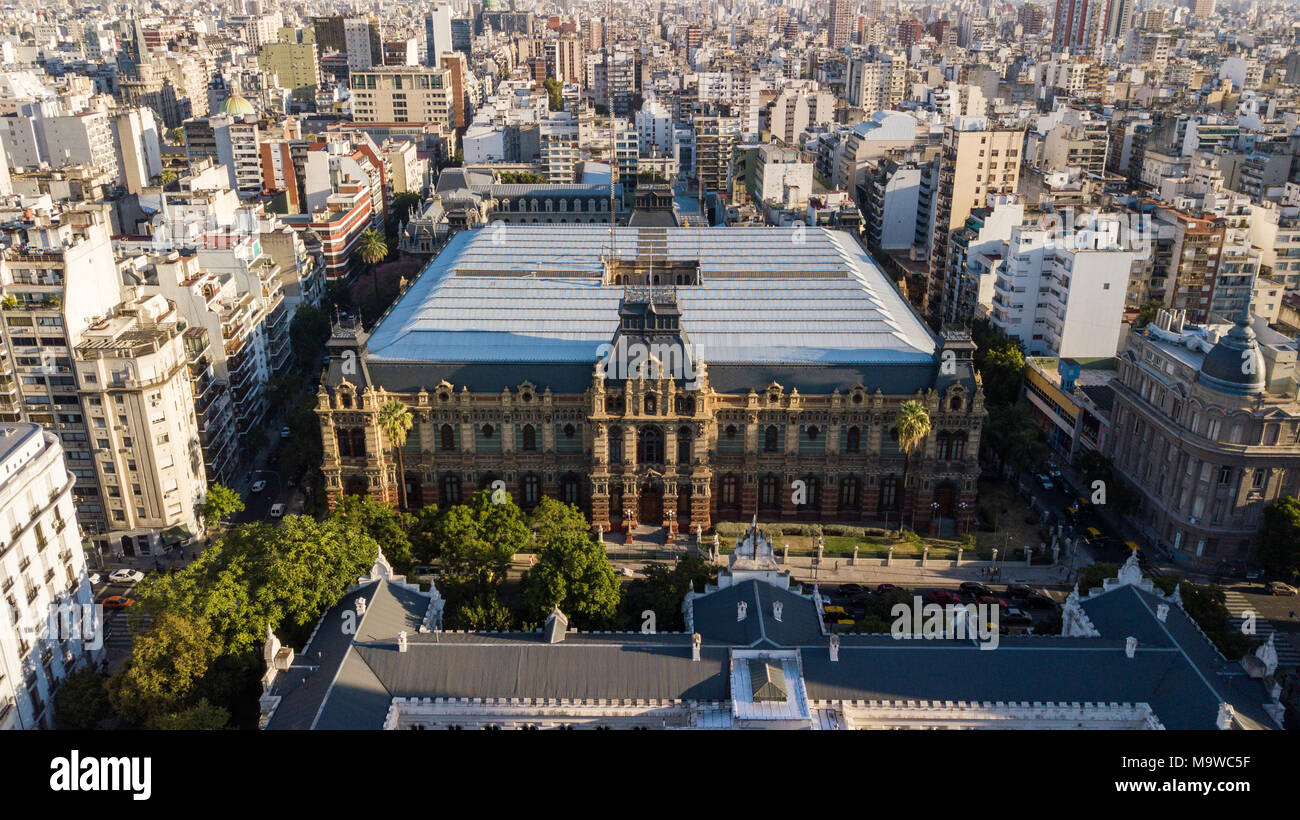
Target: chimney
(1162, 612)
(556, 625)
(695, 646)
(776, 610)
(401, 641)
(1130, 646)
(835, 648)
(742, 609)
(361, 605)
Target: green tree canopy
(1012, 438)
(202, 716)
(573, 572)
(373, 247)
(220, 503)
(1279, 546)
(1000, 361)
(386, 526)
(1147, 313)
(81, 701)
(550, 518)
(478, 540)
(164, 666)
(395, 422)
(663, 591)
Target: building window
(684, 445)
(853, 443)
(447, 438)
(730, 492)
(530, 438)
(650, 446)
(487, 431)
(769, 493)
(770, 439)
(850, 492)
(450, 490)
(616, 445)
(532, 490)
(569, 431)
(889, 493)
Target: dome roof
(237, 106)
(1234, 364)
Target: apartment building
(976, 162)
(48, 630)
(133, 376)
(56, 275)
(1079, 141)
(876, 81)
(1063, 294)
(402, 94)
(715, 141)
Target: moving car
(1279, 588)
(257, 486)
(126, 576)
(277, 510)
(992, 599)
(881, 589)
(285, 432)
(1045, 481)
(835, 613)
(1018, 591)
(852, 590)
(117, 602)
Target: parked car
(1045, 481)
(285, 432)
(1053, 471)
(1279, 588)
(1015, 616)
(257, 486)
(975, 588)
(95, 579)
(942, 597)
(117, 602)
(835, 613)
(126, 576)
(881, 589)
(277, 510)
(852, 590)
(1018, 591)
(993, 599)
(1037, 601)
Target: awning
(175, 535)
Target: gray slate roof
(1176, 670)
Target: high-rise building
(437, 34)
(362, 43)
(49, 628)
(977, 161)
(841, 23)
(395, 94)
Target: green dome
(237, 106)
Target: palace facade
(672, 377)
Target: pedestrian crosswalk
(1288, 651)
(119, 630)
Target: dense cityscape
(526, 364)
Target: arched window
(616, 445)
(730, 492)
(352, 442)
(570, 431)
(683, 445)
(447, 437)
(769, 493)
(532, 490)
(650, 446)
(651, 403)
(614, 403)
(853, 442)
(955, 403)
(530, 438)
(450, 490)
(850, 493)
(812, 432)
(812, 493)
(730, 432)
(770, 439)
(957, 446)
(941, 446)
(487, 431)
(889, 493)
(570, 489)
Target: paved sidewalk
(909, 572)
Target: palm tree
(373, 250)
(912, 423)
(395, 422)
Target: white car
(95, 579)
(257, 486)
(126, 576)
(277, 510)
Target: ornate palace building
(672, 377)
